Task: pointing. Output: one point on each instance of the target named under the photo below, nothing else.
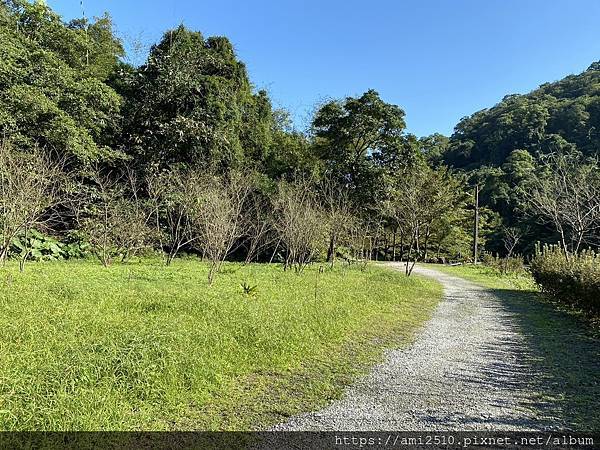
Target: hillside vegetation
(508, 149)
(556, 116)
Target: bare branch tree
(337, 209)
(30, 185)
(362, 237)
(113, 219)
(217, 215)
(422, 197)
(566, 194)
(511, 236)
(171, 195)
(260, 230)
(299, 222)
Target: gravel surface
(469, 369)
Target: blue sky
(439, 60)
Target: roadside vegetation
(572, 279)
(490, 276)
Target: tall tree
(192, 103)
(349, 134)
(52, 90)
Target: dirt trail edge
(472, 367)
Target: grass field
(489, 277)
(141, 346)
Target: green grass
(144, 347)
(489, 277)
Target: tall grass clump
(513, 264)
(570, 278)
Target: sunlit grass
(141, 346)
(489, 277)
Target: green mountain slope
(559, 115)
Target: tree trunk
(251, 251)
(394, 244)
(24, 257)
(410, 247)
(274, 252)
(331, 250)
(425, 254)
(401, 245)
(211, 273)
(413, 244)
(384, 245)
(171, 256)
(3, 255)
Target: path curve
(467, 370)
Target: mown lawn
(141, 346)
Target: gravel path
(469, 369)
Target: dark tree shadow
(559, 360)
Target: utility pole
(476, 226)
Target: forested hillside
(557, 116)
(502, 148)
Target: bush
(510, 264)
(573, 279)
(37, 246)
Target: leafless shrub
(259, 224)
(362, 236)
(511, 236)
(30, 185)
(566, 194)
(216, 207)
(112, 218)
(171, 197)
(338, 213)
(300, 223)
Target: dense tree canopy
(358, 137)
(560, 115)
(52, 90)
(192, 103)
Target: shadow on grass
(560, 360)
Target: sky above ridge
(439, 60)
